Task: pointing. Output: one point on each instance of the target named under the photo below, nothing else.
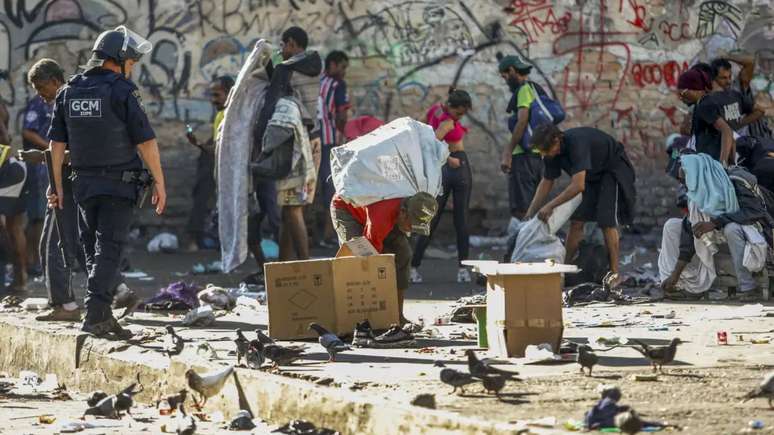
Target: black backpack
(275, 160)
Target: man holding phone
(204, 187)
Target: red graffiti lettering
(645, 74)
(536, 18)
(676, 31)
(639, 15)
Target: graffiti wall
(613, 64)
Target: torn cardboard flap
(357, 247)
(491, 267)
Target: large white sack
(396, 160)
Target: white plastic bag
(396, 160)
(163, 242)
(754, 258)
(537, 242)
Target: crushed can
(722, 338)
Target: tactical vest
(97, 137)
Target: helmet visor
(134, 45)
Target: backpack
(542, 110)
(275, 160)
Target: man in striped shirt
(333, 105)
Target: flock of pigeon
(258, 351)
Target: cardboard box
(334, 292)
(524, 305)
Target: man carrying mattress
(387, 225)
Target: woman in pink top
(457, 178)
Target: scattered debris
(209, 269)
(202, 316)
(163, 242)
(424, 401)
(176, 296)
(35, 304)
(301, 427)
(218, 297)
(242, 421)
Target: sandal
(682, 295)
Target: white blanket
(233, 154)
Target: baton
(57, 210)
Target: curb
(85, 364)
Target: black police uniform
(99, 115)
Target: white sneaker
(416, 278)
(463, 275)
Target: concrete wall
(612, 63)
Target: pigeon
(494, 383)
(282, 355)
(629, 422)
(254, 356)
(455, 378)
(658, 355)
(186, 425)
(124, 399)
(263, 338)
(241, 343)
(173, 343)
(479, 368)
(174, 399)
(207, 385)
(104, 408)
(95, 397)
(765, 389)
(329, 341)
(586, 358)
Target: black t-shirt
(583, 149)
(730, 105)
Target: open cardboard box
(524, 304)
(358, 284)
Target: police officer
(99, 117)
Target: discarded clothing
(603, 414)
(301, 427)
(462, 312)
(708, 185)
(219, 298)
(176, 296)
(586, 292)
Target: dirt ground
(700, 397)
(699, 401)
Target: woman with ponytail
(457, 178)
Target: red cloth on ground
(378, 219)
